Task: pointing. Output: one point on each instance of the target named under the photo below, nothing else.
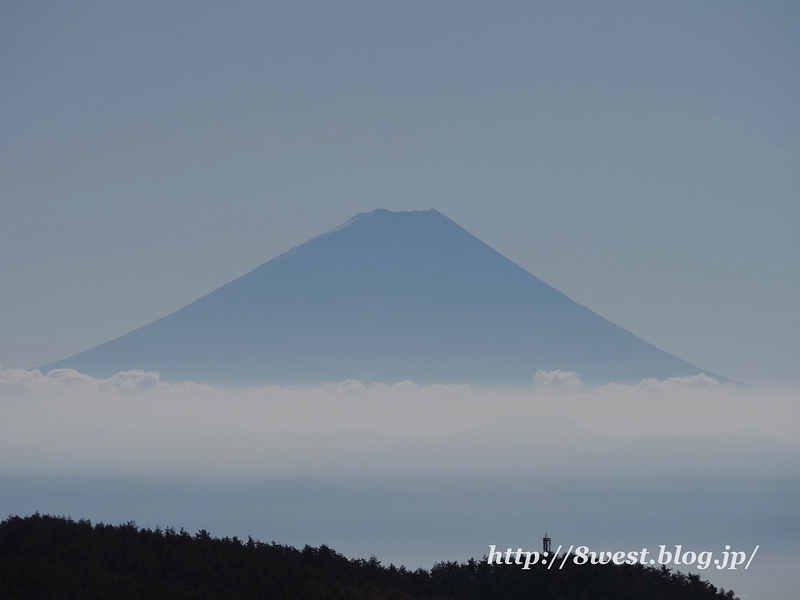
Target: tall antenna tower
(546, 543)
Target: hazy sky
(643, 158)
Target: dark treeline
(52, 558)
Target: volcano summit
(384, 297)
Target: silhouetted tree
(56, 558)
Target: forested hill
(54, 558)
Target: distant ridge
(386, 296)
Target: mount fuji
(387, 296)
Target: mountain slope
(384, 297)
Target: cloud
(692, 381)
(16, 380)
(135, 420)
(557, 379)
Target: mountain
(384, 297)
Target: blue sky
(643, 158)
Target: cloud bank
(135, 421)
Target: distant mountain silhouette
(384, 297)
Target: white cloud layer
(134, 418)
(557, 379)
